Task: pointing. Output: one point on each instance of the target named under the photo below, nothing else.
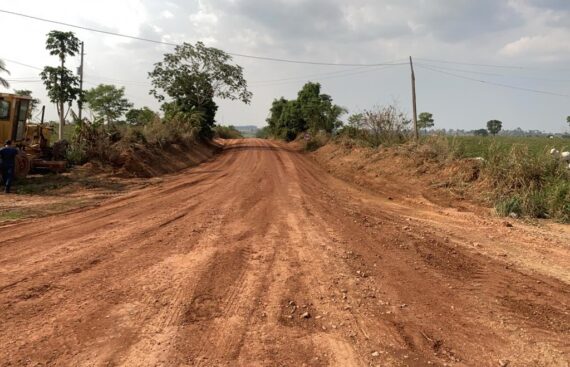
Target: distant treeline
(514, 132)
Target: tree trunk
(61, 120)
(61, 103)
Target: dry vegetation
(517, 179)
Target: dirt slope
(261, 258)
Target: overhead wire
(376, 66)
(494, 83)
(499, 66)
(494, 74)
(265, 58)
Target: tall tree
(310, 111)
(275, 114)
(3, 69)
(494, 126)
(140, 116)
(568, 120)
(62, 85)
(107, 102)
(425, 120)
(193, 76)
(34, 103)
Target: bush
(317, 141)
(263, 133)
(531, 185)
(386, 125)
(508, 205)
(226, 132)
(107, 143)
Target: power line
(274, 59)
(495, 84)
(335, 73)
(472, 64)
(460, 70)
(496, 74)
(368, 70)
(21, 63)
(23, 81)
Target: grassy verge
(516, 174)
(477, 146)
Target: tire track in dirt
(216, 265)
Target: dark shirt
(8, 156)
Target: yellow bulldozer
(33, 140)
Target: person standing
(8, 158)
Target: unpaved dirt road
(260, 258)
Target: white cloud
(549, 47)
(166, 14)
(522, 32)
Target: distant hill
(247, 130)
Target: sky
(474, 60)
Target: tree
(494, 126)
(62, 85)
(480, 132)
(355, 120)
(317, 109)
(568, 120)
(107, 102)
(310, 111)
(425, 120)
(3, 69)
(193, 76)
(34, 103)
(140, 116)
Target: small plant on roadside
(226, 132)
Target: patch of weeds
(506, 206)
(12, 215)
(40, 184)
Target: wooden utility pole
(416, 133)
(80, 102)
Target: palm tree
(3, 69)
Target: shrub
(508, 205)
(318, 140)
(386, 125)
(526, 184)
(226, 132)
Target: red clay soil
(144, 161)
(261, 258)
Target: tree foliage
(568, 120)
(61, 84)
(311, 111)
(34, 103)
(107, 102)
(384, 125)
(494, 126)
(62, 44)
(481, 132)
(192, 76)
(140, 116)
(425, 120)
(4, 82)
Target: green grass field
(478, 146)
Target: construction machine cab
(13, 115)
(31, 139)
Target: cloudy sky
(519, 46)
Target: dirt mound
(145, 162)
(409, 171)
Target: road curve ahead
(260, 258)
